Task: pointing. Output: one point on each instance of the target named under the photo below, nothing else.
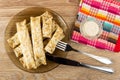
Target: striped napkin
(107, 13)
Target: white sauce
(91, 28)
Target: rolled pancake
(26, 46)
(57, 36)
(47, 25)
(18, 51)
(54, 26)
(22, 61)
(13, 41)
(37, 41)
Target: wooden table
(67, 9)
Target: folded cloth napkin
(99, 11)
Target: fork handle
(105, 69)
(98, 58)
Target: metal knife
(66, 61)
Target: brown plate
(25, 14)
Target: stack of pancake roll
(29, 42)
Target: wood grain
(68, 10)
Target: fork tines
(61, 45)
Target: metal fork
(66, 47)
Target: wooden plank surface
(68, 10)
